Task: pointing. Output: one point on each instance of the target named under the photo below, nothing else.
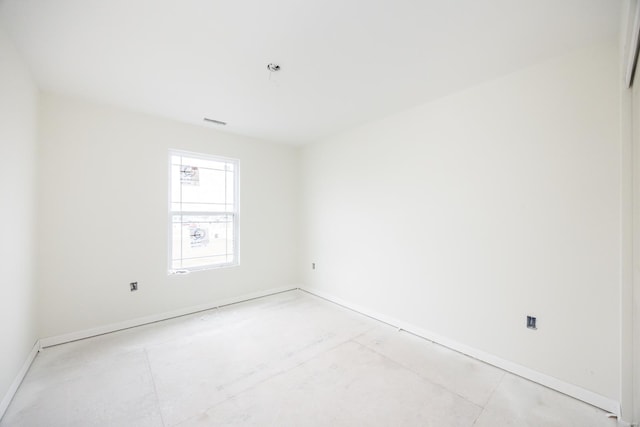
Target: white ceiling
(344, 62)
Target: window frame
(236, 212)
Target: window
(203, 212)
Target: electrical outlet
(133, 286)
(313, 265)
(531, 322)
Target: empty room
(319, 213)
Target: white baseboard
(100, 330)
(4, 404)
(572, 390)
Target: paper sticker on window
(189, 175)
(199, 237)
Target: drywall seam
(13, 388)
(574, 391)
(113, 327)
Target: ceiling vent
(218, 122)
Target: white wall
(18, 109)
(464, 215)
(635, 312)
(103, 216)
(629, 231)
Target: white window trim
(236, 203)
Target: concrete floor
(289, 359)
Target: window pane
(209, 188)
(202, 240)
(201, 189)
(200, 163)
(175, 184)
(230, 188)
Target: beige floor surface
(289, 359)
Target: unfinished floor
(283, 360)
